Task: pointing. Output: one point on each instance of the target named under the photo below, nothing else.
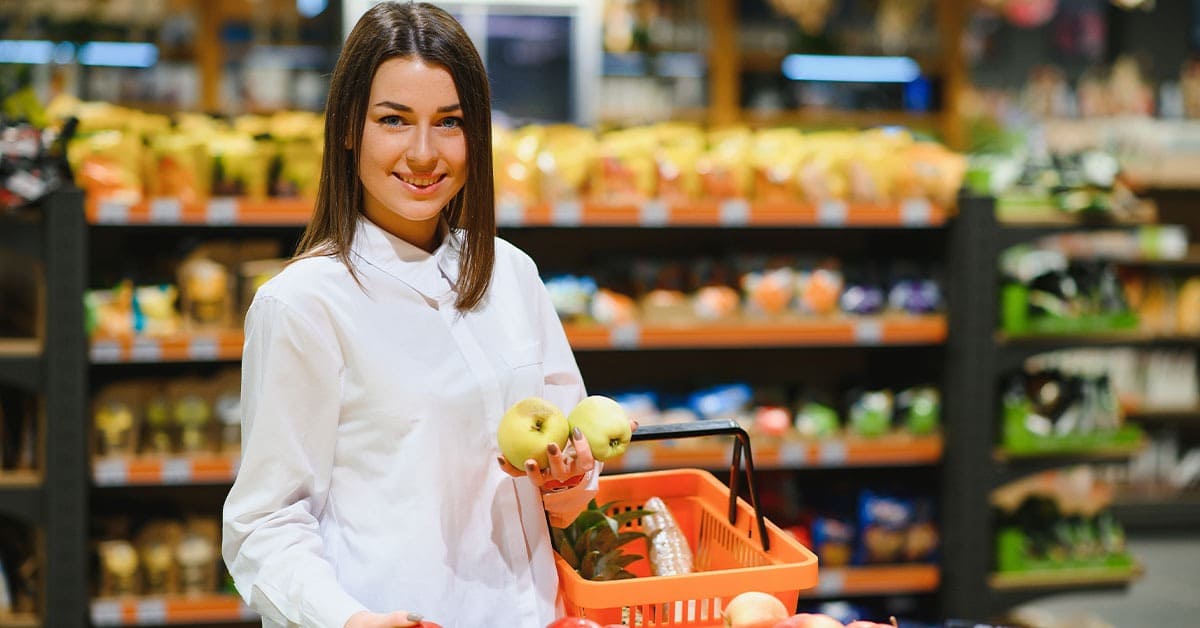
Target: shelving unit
(53, 499)
(170, 610)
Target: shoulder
(509, 257)
(303, 288)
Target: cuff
(563, 506)
(331, 608)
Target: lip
(422, 191)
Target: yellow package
(108, 165)
(515, 154)
(821, 174)
(679, 149)
(206, 294)
(240, 166)
(725, 169)
(625, 170)
(565, 163)
(116, 421)
(776, 155)
(156, 543)
(177, 168)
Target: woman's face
(413, 154)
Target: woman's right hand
(395, 619)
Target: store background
(1042, 72)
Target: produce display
(216, 282)
(792, 412)
(159, 557)
(1057, 520)
(743, 288)
(157, 417)
(131, 155)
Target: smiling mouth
(420, 181)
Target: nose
(422, 152)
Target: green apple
(604, 424)
(527, 428)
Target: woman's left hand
(567, 468)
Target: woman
(378, 364)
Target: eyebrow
(399, 107)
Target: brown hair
(425, 32)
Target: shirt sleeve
(564, 388)
(271, 542)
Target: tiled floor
(1168, 596)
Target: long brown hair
(421, 31)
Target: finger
(558, 462)
(404, 619)
(633, 425)
(584, 461)
(507, 467)
(534, 473)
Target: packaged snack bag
(725, 169)
(565, 163)
(625, 170)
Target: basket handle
(717, 427)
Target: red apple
(754, 609)
(809, 620)
(573, 622)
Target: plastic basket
(734, 547)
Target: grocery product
(592, 543)
(527, 428)
(669, 552)
(754, 609)
(605, 425)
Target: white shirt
(368, 478)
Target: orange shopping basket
(735, 548)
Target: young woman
(379, 362)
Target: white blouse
(368, 478)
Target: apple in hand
(573, 622)
(604, 424)
(809, 620)
(754, 609)
(527, 428)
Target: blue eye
(452, 123)
(391, 120)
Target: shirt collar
(434, 274)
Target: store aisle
(1168, 596)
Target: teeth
(421, 182)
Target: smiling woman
(413, 153)
(378, 365)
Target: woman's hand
(395, 619)
(567, 468)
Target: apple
(573, 622)
(809, 620)
(862, 623)
(604, 424)
(528, 428)
(754, 609)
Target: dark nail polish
(578, 435)
(416, 617)
(552, 449)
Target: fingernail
(416, 617)
(578, 435)
(531, 465)
(500, 460)
(552, 449)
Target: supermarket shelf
(21, 494)
(1095, 454)
(1164, 415)
(21, 361)
(1015, 349)
(880, 580)
(223, 345)
(886, 330)
(865, 331)
(165, 470)
(167, 610)
(1066, 579)
(915, 213)
(214, 212)
(1189, 261)
(1158, 510)
(20, 620)
(818, 117)
(897, 449)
